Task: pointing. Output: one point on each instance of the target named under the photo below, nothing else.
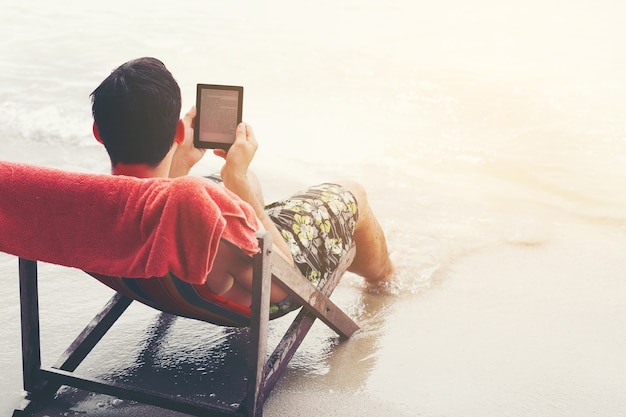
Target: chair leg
(295, 334)
(39, 388)
(93, 333)
(259, 323)
(29, 305)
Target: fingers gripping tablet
(219, 110)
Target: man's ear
(180, 132)
(96, 132)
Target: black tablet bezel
(196, 129)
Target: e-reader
(218, 112)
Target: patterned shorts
(317, 224)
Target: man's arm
(236, 178)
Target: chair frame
(263, 372)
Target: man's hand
(239, 156)
(186, 155)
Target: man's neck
(141, 170)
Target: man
(136, 113)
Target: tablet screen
(219, 110)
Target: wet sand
(525, 329)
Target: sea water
(490, 137)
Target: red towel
(118, 225)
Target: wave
(44, 124)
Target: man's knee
(366, 219)
(357, 190)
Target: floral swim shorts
(317, 224)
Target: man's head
(136, 111)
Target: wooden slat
(134, 393)
(292, 281)
(259, 323)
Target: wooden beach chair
(173, 296)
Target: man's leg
(372, 256)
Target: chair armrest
(291, 280)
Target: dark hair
(136, 109)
